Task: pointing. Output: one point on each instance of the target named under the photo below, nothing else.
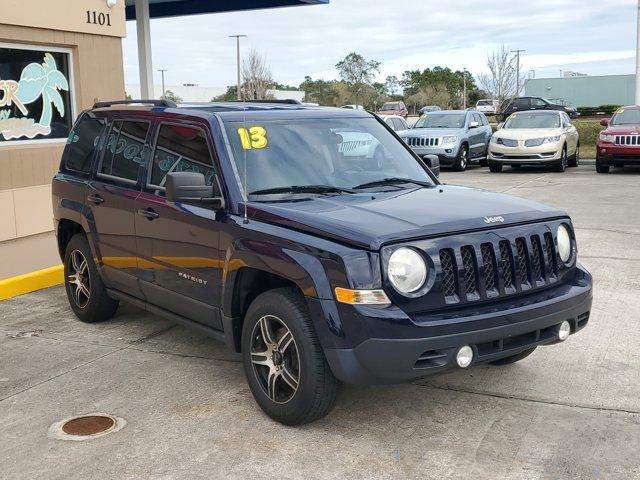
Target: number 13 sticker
(253, 137)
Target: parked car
(396, 122)
(457, 137)
(619, 143)
(353, 107)
(488, 106)
(535, 138)
(429, 108)
(394, 108)
(257, 225)
(521, 104)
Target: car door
(476, 135)
(178, 243)
(110, 199)
(520, 104)
(571, 133)
(487, 131)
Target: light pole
(162, 70)
(638, 57)
(238, 37)
(518, 52)
(464, 87)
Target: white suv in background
(487, 106)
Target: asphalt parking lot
(570, 411)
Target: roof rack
(158, 103)
(289, 101)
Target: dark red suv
(394, 108)
(619, 144)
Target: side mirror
(474, 124)
(604, 122)
(191, 187)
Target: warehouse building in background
(585, 91)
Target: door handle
(149, 213)
(96, 199)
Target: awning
(176, 8)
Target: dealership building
(585, 91)
(56, 59)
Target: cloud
(403, 34)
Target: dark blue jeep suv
(313, 241)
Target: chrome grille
(423, 141)
(448, 273)
(631, 140)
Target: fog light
(464, 356)
(564, 331)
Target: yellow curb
(30, 282)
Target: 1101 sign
(95, 18)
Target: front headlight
(605, 137)
(553, 139)
(450, 139)
(407, 270)
(564, 243)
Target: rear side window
(125, 150)
(521, 103)
(82, 143)
(181, 148)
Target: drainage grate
(89, 425)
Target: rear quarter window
(82, 143)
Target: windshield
(390, 106)
(442, 120)
(484, 103)
(533, 120)
(331, 152)
(626, 117)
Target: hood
(431, 132)
(370, 220)
(527, 133)
(622, 130)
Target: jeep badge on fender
(313, 242)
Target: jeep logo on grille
(493, 219)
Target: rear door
(476, 136)
(110, 197)
(178, 243)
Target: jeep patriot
(312, 241)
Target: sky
(596, 37)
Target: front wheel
(561, 165)
(513, 358)
(283, 361)
(461, 160)
(602, 168)
(574, 161)
(495, 167)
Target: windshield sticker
(253, 137)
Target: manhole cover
(86, 427)
(89, 425)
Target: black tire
(495, 167)
(484, 162)
(90, 303)
(513, 358)
(460, 165)
(574, 161)
(315, 386)
(602, 168)
(561, 165)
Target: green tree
(357, 72)
(230, 95)
(169, 95)
(320, 91)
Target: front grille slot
(627, 140)
(449, 284)
(489, 268)
(552, 260)
(537, 261)
(523, 262)
(469, 267)
(506, 263)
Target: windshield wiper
(392, 181)
(302, 189)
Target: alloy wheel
(275, 360)
(78, 278)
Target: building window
(35, 93)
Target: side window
(82, 143)
(521, 103)
(483, 117)
(537, 103)
(125, 149)
(476, 118)
(566, 120)
(181, 148)
(397, 124)
(391, 122)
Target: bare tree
(502, 79)
(357, 73)
(256, 77)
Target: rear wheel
(574, 161)
(513, 358)
(461, 160)
(495, 167)
(87, 295)
(600, 168)
(283, 361)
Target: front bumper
(530, 323)
(446, 155)
(609, 154)
(525, 155)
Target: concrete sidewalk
(570, 411)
